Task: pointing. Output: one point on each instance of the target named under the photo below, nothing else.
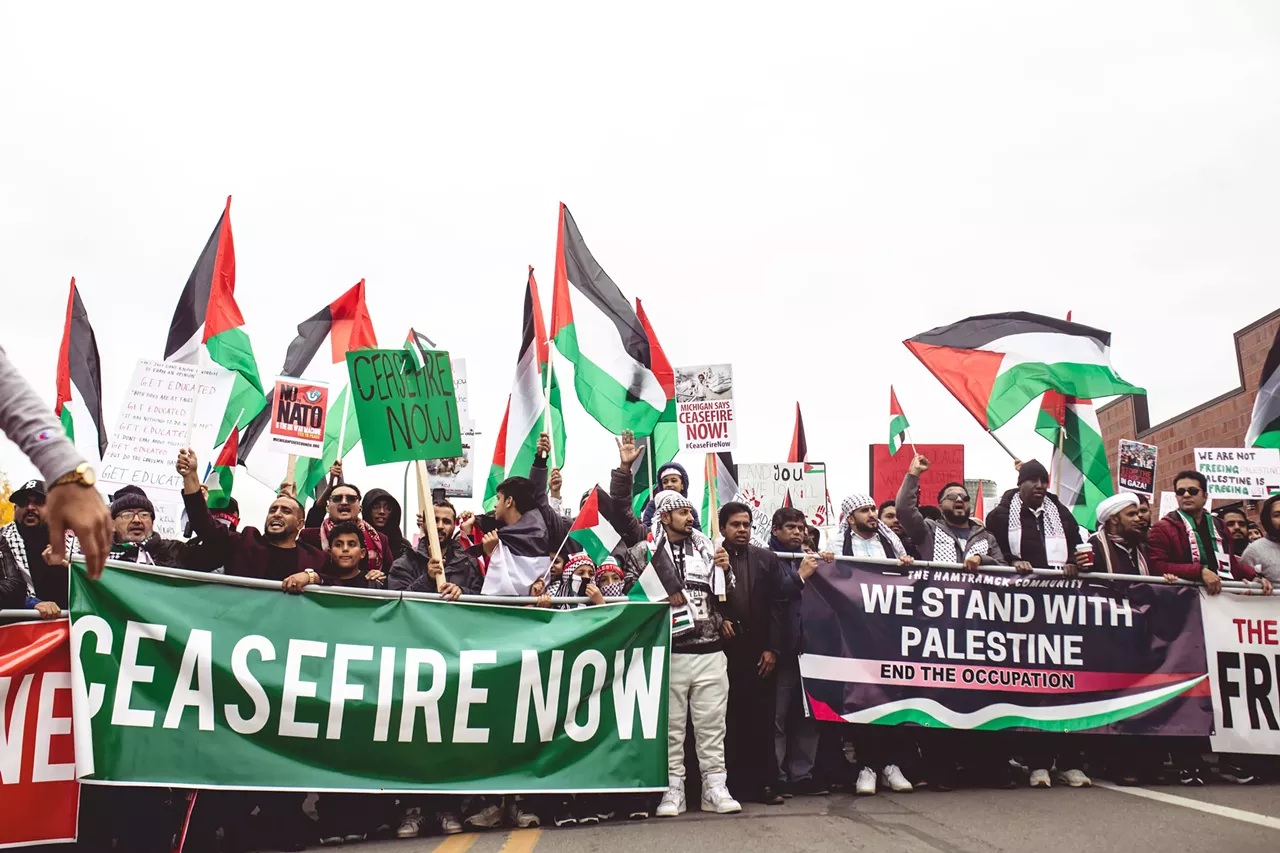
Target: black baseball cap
(30, 488)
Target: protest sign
(298, 411)
(948, 649)
(39, 794)
(946, 465)
(157, 420)
(1252, 472)
(1137, 467)
(295, 692)
(770, 487)
(456, 475)
(704, 408)
(1242, 640)
(404, 414)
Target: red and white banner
(39, 794)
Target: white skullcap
(1114, 504)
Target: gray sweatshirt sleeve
(31, 424)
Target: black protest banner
(405, 412)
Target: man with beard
(795, 735)
(753, 629)
(134, 539)
(342, 503)
(956, 537)
(41, 582)
(274, 553)
(457, 573)
(1237, 527)
(382, 512)
(1120, 543)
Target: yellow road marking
(456, 843)
(521, 841)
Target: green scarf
(1222, 561)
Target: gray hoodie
(28, 422)
(922, 530)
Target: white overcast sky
(794, 188)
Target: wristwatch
(82, 475)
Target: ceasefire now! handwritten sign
(404, 414)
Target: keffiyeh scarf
(372, 544)
(844, 534)
(1055, 538)
(18, 545)
(945, 550)
(1200, 549)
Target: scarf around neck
(944, 545)
(1200, 548)
(372, 544)
(1055, 538)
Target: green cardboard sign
(404, 414)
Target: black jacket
(997, 523)
(409, 571)
(755, 604)
(399, 544)
(13, 586)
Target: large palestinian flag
(319, 352)
(603, 339)
(662, 445)
(207, 326)
(526, 415)
(79, 404)
(996, 364)
(1264, 429)
(1080, 472)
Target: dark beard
(278, 539)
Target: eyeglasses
(1192, 490)
(959, 498)
(134, 515)
(344, 499)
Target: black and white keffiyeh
(1055, 538)
(18, 545)
(945, 550)
(703, 547)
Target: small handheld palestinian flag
(414, 347)
(1264, 429)
(221, 473)
(897, 423)
(597, 525)
(658, 582)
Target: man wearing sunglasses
(957, 538)
(1191, 544)
(342, 503)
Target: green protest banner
(405, 413)
(180, 681)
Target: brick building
(1220, 422)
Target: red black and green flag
(799, 451)
(80, 381)
(207, 327)
(662, 445)
(995, 364)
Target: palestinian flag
(897, 423)
(799, 451)
(725, 484)
(1080, 472)
(597, 525)
(658, 581)
(221, 473)
(207, 326)
(995, 364)
(318, 352)
(662, 445)
(613, 370)
(519, 559)
(1264, 429)
(498, 468)
(414, 346)
(80, 381)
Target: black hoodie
(399, 545)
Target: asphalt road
(970, 821)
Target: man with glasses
(957, 538)
(1191, 544)
(134, 539)
(343, 504)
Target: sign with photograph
(704, 408)
(1137, 467)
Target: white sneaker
(673, 800)
(866, 781)
(1040, 779)
(449, 824)
(715, 795)
(893, 777)
(411, 826)
(1075, 778)
(487, 818)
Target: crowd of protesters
(738, 725)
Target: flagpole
(1056, 474)
(649, 453)
(1003, 446)
(428, 509)
(912, 444)
(713, 497)
(546, 404)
